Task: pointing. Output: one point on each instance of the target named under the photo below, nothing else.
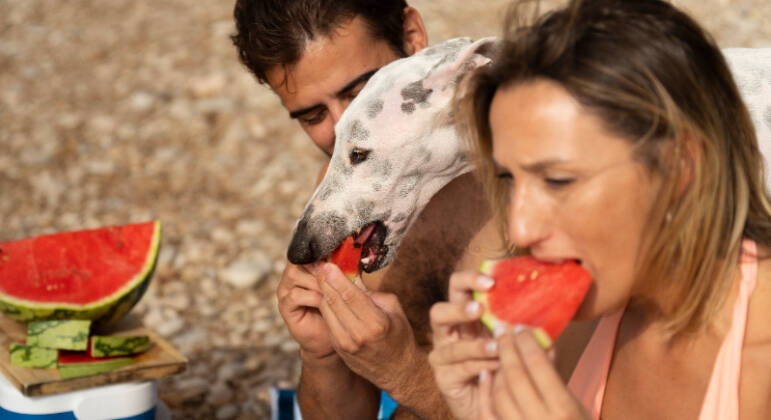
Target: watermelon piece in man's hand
(534, 293)
(347, 257)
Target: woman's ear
(689, 156)
(415, 37)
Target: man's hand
(299, 298)
(369, 330)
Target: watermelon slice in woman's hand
(347, 257)
(534, 293)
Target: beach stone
(171, 326)
(219, 395)
(227, 412)
(247, 273)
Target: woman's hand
(463, 348)
(527, 386)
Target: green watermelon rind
(488, 319)
(77, 370)
(103, 312)
(111, 346)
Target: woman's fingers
(465, 350)
(516, 374)
(541, 371)
(464, 283)
(504, 404)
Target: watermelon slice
(347, 257)
(33, 357)
(534, 293)
(59, 334)
(73, 364)
(96, 274)
(108, 346)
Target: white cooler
(128, 401)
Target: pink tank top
(722, 399)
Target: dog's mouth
(371, 238)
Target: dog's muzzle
(303, 249)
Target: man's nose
(527, 219)
(336, 109)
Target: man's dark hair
(274, 32)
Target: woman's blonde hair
(655, 78)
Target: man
(317, 55)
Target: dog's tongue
(365, 234)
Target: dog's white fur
(401, 121)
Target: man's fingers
(297, 298)
(464, 283)
(340, 335)
(296, 276)
(362, 320)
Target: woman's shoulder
(758, 331)
(756, 357)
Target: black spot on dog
(335, 185)
(408, 107)
(328, 229)
(357, 132)
(384, 168)
(409, 185)
(364, 210)
(374, 108)
(416, 93)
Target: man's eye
(314, 118)
(358, 156)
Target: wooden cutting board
(162, 359)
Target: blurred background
(130, 110)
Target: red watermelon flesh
(534, 293)
(347, 257)
(96, 274)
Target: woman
(611, 132)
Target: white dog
(396, 146)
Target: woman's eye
(504, 176)
(358, 156)
(558, 182)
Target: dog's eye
(358, 156)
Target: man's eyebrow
(355, 82)
(352, 84)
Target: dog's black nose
(303, 249)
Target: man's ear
(415, 37)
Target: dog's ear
(446, 74)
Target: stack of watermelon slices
(60, 284)
(68, 346)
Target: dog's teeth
(365, 260)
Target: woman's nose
(527, 218)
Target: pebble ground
(129, 110)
